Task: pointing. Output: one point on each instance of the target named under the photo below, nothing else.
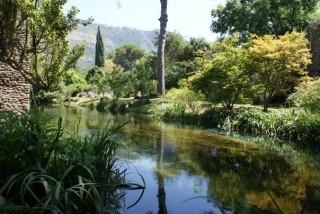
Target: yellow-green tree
(223, 76)
(279, 62)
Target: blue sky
(189, 17)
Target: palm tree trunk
(161, 46)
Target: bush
(291, 125)
(297, 126)
(49, 172)
(307, 96)
(75, 89)
(45, 98)
(185, 97)
(72, 76)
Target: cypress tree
(99, 60)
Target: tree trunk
(161, 46)
(266, 101)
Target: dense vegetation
(254, 79)
(252, 64)
(44, 169)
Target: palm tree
(161, 46)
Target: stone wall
(14, 90)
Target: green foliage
(169, 112)
(45, 98)
(94, 75)
(127, 55)
(279, 63)
(307, 96)
(178, 71)
(75, 89)
(99, 58)
(180, 56)
(224, 77)
(72, 76)
(296, 126)
(44, 42)
(143, 76)
(49, 171)
(186, 98)
(261, 17)
(175, 47)
(118, 83)
(53, 64)
(178, 49)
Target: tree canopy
(36, 31)
(224, 76)
(262, 17)
(127, 55)
(279, 63)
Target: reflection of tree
(251, 182)
(160, 177)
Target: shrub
(75, 89)
(170, 112)
(72, 76)
(307, 96)
(45, 98)
(185, 97)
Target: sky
(191, 18)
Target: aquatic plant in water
(51, 171)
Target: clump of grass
(48, 170)
(293, 125)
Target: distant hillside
(113, 37)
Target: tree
(161, 47)
(279, 63)
(180, 57)
(178, 71)
(144, 80)
(261, 17)
(175, 47)
(116, 82)
(224, 77)
(99, 58)
(53, 63)
(127, 55)
(94, 75)
(34, 32)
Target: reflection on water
(196, 171)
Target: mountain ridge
(113, 37)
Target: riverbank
(285, 124)
(198, 162)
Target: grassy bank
(286, 124)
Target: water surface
(194, 171)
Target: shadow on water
(189, 170)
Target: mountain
(113, 37)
